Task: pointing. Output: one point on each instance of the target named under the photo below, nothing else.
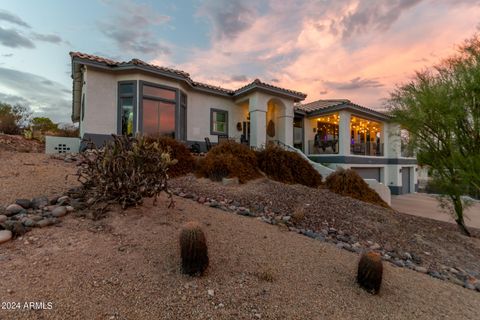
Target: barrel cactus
(193, 247)
(370, 271)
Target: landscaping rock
(230, 181)
(70, 208)
(420, 269)
(399, 263)
(44, 223)
(5, 235)
(63, 200)
(3, 218)
(59, 212)
(36, 217)
(40, 202)
(29, 223)
(13, 209)
(18, 229)
(24, 203)
(375, 246)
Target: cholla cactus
(370, 270)
(193, 249)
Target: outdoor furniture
(222, 138)
(208, 143)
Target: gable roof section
(136, 64)
(326, 106)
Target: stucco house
(339, 133)
(111, 97)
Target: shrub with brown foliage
(125, 171)
(178, 151)
(230, 159)
(370, 271)
(287, 167)
(193, 249)
(349, 183)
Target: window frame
(179, 131)
(120, 96)
(212, 112)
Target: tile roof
(320, 104)
(335, 104)
(136, 62)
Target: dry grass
(349, 183)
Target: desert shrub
(298, 215)
(349, 183)
(370, 271)
(193, 249)
(125, 171)
(178, 151)
(13, 118)
(230, 159)
(287, 167)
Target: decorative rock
(44, 223)
(399, 263)
(59, 212)
(70, 208)
(36, 217)
(63, 200)
(420, 269)
(13, 209)
(18, 229)
(24, 203)
(468, 285)
(375, 246)
(5, 235)
(201, 200)
(210, 292)
(230, 181)
(3, 218)
(286, 218)
(29, 223)
(40, 202)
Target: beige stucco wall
(101, 108)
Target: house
(339, 133)
(112, 97)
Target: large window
(219, 122)
(163, 111)
(126, 108)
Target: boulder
(13, 209)
(5, 235)
(40, 202)
(24, 203)
(3, 218)
(59, 212)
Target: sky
(329, 49)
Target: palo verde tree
(440, 108)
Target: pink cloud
(303, 46)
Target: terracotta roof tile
(320, 104)
(255, 84)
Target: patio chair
(208, 143)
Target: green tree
(44, 124)
(440, 108)
(13, 118)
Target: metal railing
(323, 147)
(367, 149)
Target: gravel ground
(127, 267)
(433, 243)
(26, 175)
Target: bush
(230, 159)
(13, 118)
(178, 151)
(125, 171)
(349, 183)
(287, 167)
(193, 249)
(370, 271)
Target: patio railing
(323, 147)
(367, 149)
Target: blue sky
(326, 48)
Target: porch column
(258, 128)
(344, 133)
(285, 129)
